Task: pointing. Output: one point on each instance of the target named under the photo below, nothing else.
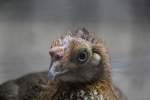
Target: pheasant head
(79, 57)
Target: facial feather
(80, 61)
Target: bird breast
(81, 95)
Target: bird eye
(82, 56)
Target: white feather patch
(66, 41)
(96, 59)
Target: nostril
(58, 56)
(56, 53)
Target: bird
(80, 69)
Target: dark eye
(82, 56)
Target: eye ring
(82, 56)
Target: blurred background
(28, 26)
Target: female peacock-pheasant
(79, 70)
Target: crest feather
(86, 35)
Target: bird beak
(55, 70)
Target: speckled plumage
(98, 91)
(37, 86)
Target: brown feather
(37, 86)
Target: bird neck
(72, 91)
(88, 85)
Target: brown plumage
(80, 69)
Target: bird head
(78, 57)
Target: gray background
(28, 26)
